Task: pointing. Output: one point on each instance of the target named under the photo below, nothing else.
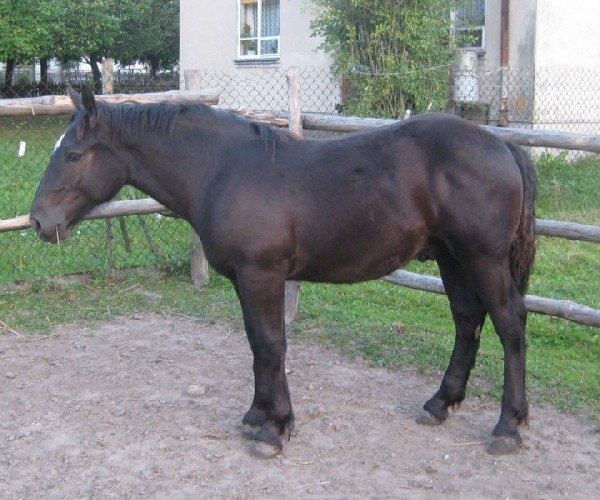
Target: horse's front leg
(261, 295)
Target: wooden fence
(559, 308)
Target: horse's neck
(174, 169)
(158, 171)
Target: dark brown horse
(270, 207)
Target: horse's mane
(134, 119)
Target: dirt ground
(150, 406)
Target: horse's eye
(72, 156)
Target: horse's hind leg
(508, 313)
(469, 314)
(506, 306)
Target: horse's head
(83, 172)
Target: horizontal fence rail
(525, 137)
(60, 104)
(119, 208)
(565, 309)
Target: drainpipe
(504, 63)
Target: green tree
(150, 33)
(393, 55)
(88, 30)
(126, 30)
(26, 28)
(72, 30)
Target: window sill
(480, 51)
(256, 61)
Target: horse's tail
(522, 250)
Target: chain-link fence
(567, 100)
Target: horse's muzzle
(50, 226)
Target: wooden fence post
(199, 264)
(108, 71)
(292, 288)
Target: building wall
(568, 33)
(208, 46)
(209, 35)
(567, 55)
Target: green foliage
(26, 28)
(125, 30)
(150, 32)
(549, 160)
(393, 56)
(87, 27)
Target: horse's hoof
(504, 445)
(426, 418)
(268, 441)
(249, 431)
(266, 451)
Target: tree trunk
(154, 65)
(44, 76)
(10, 70)
(94, 61)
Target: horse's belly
(354, 261)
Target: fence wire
(556, 99)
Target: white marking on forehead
(57, 145)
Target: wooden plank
(344, 124)
(548, 138)
(563, 309)
(551, 307)
(567, 230)
(199, 274)
(525, 137)
(272, 118)
(111, 209)
(198, 265)
(334, 123)
(57, 104)
(292, 288)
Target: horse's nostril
(35, 224)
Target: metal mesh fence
(559, 99)
(260, 88)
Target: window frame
(258, 39)
(469, 27)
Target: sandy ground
(150, 406)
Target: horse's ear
(75, 97)
(89, 104)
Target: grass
(386, 325)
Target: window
(259, 29)
(469, 24)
